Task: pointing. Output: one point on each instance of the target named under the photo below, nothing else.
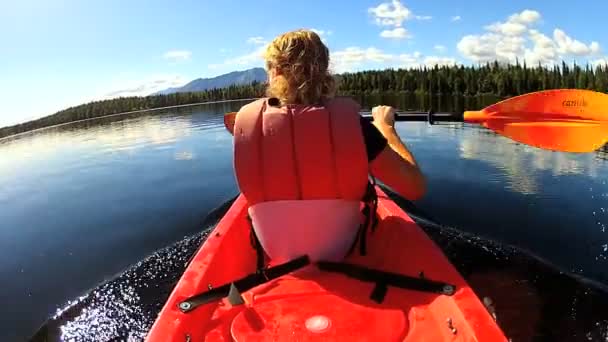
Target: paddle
(567, 120)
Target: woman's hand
(384, 118)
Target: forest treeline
(491, 78)
(127, 104)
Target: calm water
(82, 203)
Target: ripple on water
(126, 307)
(532, 300)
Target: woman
(303, 156)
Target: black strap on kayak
(370, 200)
(383, 279)
(255, 243)
(233, 290)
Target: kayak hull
(312, 304)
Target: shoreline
(122, 113)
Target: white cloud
(516, 39)
(352, 58)
(142, 87)
(508, 28)
(390, 13)
(601, 61)
(178, 55)
(256, 57)
(439, 48)
(479, 48)
(322, 33)
(568, 46)
(525, 17)
(456, 18)
(492, 46)
(397, 33)
(256, 40)
(517, 24)
(408, 61)
(441, 61)
(543, 50)
(394, 13)
(356, 58)
(416, 60)
(354, 54)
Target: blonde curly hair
(301, 62)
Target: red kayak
(403, 289)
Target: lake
(97, 219)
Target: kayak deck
(313, 304)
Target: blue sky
(65, 52)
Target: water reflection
(83, 201)
(521, 167)
(522, 164)
(138, 133)
(185, 155)
(124, 133)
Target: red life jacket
(304, 171)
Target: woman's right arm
(395, 166)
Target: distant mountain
(235, 77)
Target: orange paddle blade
(229, 119)
(569, 120)
(554, 135)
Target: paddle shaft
(567, 120)
(429, 116)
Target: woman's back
(302, 146)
